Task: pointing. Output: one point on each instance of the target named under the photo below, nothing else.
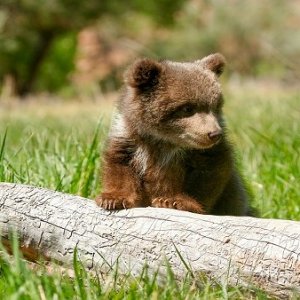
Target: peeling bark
(242, 251)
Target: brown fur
(168, 147)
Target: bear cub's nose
(215, 135)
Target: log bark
(243, 251)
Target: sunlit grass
(59, 151)
(21, 280)
(266, 131)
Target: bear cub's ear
(144, 73)
(214, 62)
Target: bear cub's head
(178, 103)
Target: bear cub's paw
(180, 202)
(112, 201)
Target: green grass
(21, 280)
(266, 130)
(55, 151)
(58, 148)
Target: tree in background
(257, 37)
(32, 30)
(41, 48)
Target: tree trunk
(241, 250)
(24, 84)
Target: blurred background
(72, 48)
(61, 66)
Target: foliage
(253, 35)
(28, 29)
(258, 38)
(39, 38)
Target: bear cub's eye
(185, 111)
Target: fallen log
(244, 251)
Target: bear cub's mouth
(201, 142)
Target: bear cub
(167, 146)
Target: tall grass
(20, 280)
(266, 130)
(61, 151)
(52, 152)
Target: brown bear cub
(168, 146)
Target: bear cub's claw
(178, 202)
(111, 202)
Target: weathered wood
(241, 250)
